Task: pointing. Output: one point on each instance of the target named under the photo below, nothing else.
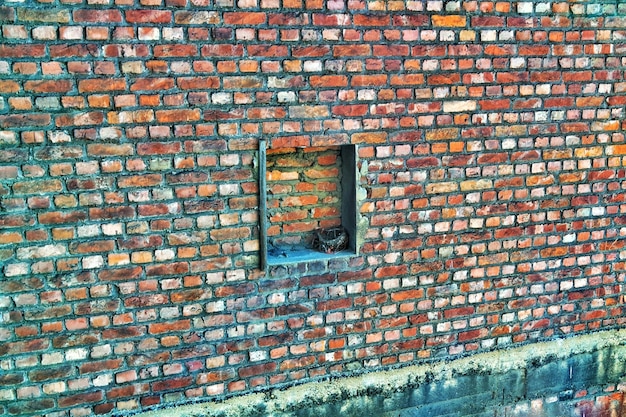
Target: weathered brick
(147, 180)
(168, 51)
(21, 347)
(37, 187)
(97, 16)
(92, 246)
(33, 405)
(223, 50)
(123, 274)
(57, 217)
(48, 15)
(148, 16)
(124, 332)
(80, 119)
(111, 213)
(459, 106)
(7, 14)
(197, 17)
(198, 83)
(11, 379)
(110, 149)
(7, 86)
(175, 268)
(97, 366)
(25, 120)
(71, 50)
(57, 153)
(51, 373)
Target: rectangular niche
(305, 193)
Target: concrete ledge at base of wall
(531, 371)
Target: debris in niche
(276, 251)
(330, 240)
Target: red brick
(57, 217)
(123, 332)
(391, 50)
(328, 81)
(311, 51)
(47, 86)
(340, 51)
(320, 19)
(260, 369)
(70, 51)
(175, 326)
(82, 398)
(177, 116)
(111, 213)
(92, 246)
(7, 86)
(500, 50)
(148, 16)
(177, 50)
(245, 18)
(152, 84)
(171, 384)
(371, 20)
(100, 85)
(458, 312)
(368, 80)
(223, 50)
(176, 268)
(123, 274)
(22, 51)
(443, 79)
(140, 242)
(147, 180)
(407, 79)
(80, 119)
(538, 50)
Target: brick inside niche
(307, 189)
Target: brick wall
(491, 159)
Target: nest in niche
(330, 240)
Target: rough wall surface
(580, 376)
(491, 146)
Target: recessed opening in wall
(309, 209)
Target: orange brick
(449, 21)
